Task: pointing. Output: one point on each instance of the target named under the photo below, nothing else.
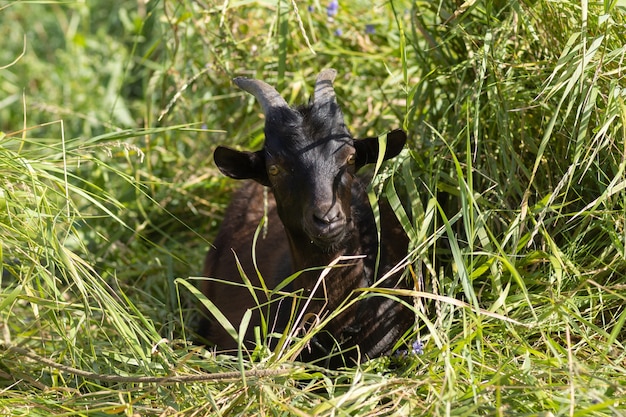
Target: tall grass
(511, 190)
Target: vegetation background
(514, 173)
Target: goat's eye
(272, 170)
(351, 159)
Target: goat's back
(235, 238)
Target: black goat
(317, 210)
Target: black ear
(367, 149)
(241, 165)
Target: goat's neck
(347, 274)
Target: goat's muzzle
(326, 227)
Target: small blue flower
(370, 29)
(338, 32)
(418, 348)
(204, 126)
(332, 8)
(401, 353)
(311, 8)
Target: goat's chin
(329, 243)
(332, 239)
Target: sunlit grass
(511, 190)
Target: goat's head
(309, 160)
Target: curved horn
(266, 95)
(324, 91)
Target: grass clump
(513, 174)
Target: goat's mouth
(329, 237)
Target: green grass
(512, 183)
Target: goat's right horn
(324, 91)
(266, 95)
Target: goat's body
(373, 325)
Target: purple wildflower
(417, 348)
(370, 29)
(311, 8)
(401, 353)
(332, 8)
(338, 32)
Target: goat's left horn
(324, 91)
(267, 95)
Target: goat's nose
(326, 217)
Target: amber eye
(272, 170)
(351, 159)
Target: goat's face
(310, 165)
(309, 160)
